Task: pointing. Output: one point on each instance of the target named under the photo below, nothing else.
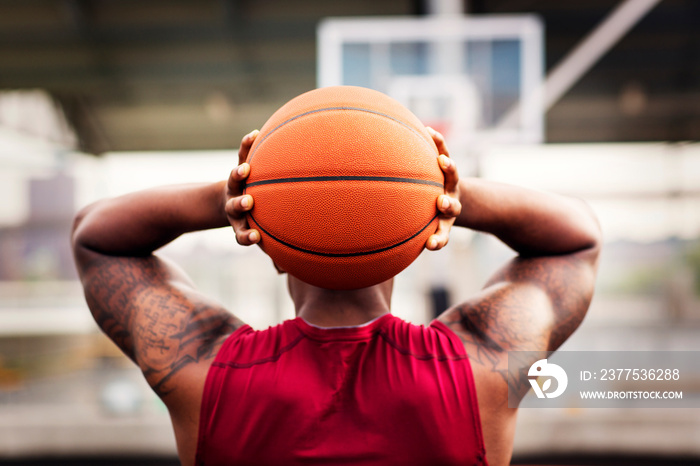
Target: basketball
(345, 181)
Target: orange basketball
(345, 181)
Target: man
(364, 387)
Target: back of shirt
(385, 393)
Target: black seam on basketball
(341, 254)
(300, 179)
(327, 109)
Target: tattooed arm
(534, 302)
(145, 304)
(539, 298)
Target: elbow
(594, 230)
(77, 239)
(590, 230)
(80, 232)
(75, 230)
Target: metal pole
(445, 7)
(570, 69)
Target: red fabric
(386, 393)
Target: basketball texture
(345, 181)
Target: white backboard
(478, 79)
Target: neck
(339, 308)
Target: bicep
(531, 304)
(150, 309)
(543, 299)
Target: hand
(238, 204)
(448, 204)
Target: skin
(153, 312)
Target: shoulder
(423, 342)
(249, 346)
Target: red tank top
(385, 393)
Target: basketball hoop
(461, 75)
(450, 104)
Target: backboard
(476, 79)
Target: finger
(449, 206)
(451, 175)
(236, 179)
(246, 237)
(439, 141)
(246, 144)
(440, 238)
(236, 207)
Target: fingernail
(245, 202)
(445, 161)
(241, 170)
(445, 202)
(432, 243)
(254, 236)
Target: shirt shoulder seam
(267, 359)
(422, 357)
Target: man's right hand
(237, 203)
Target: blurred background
(597, 99)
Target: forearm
(137, 224)
(530, 222)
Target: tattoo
(532, 306)
(191, 336)
(158, 323)
(487, 344)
